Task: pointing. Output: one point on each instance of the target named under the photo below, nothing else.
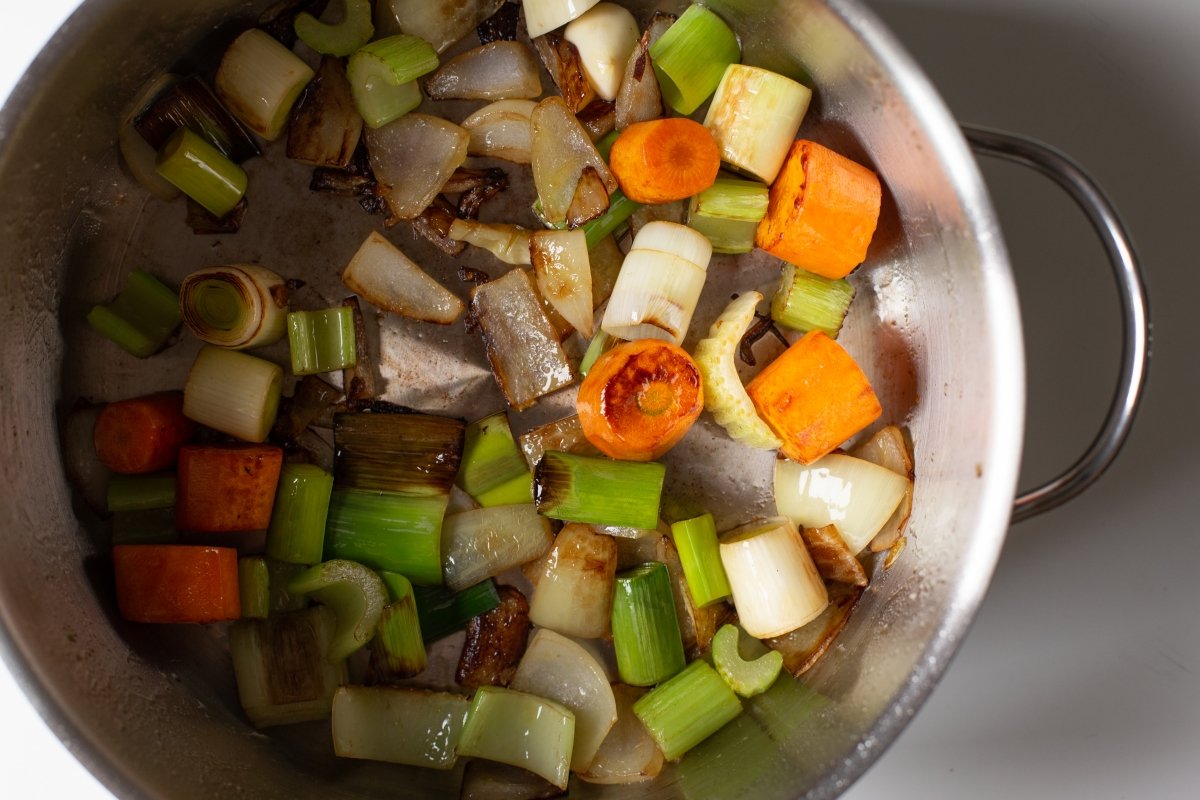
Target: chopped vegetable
(141, 492)
(687, 709)
(562, 61)
(573, 583)
(605, 35)
(228, 487)
(401, 726)
(747, 678)
(442, 612)
(832, 555)
(495, 642)
(803, 647)
(169, 583)
(639, 98)
(485, 542)
(691, 57)
(142, 434)
(233, 392)
(808, 302)
(823, 212)
(412, 159)
(137, 154)
(254, 587)
(599, 491)
(600, 344)
(236, 306)
(665, 159)
(564, 435)
(754, 117)
(398, 650)
(202, 172)
(141, 318)
(189, 103)
(564, 275)
(620, 209)
(502, 130)
(543, 16)
(561, 152)
(521, 730)
(728, 213)
(509, 243)
(354, 593)
(326, 128)
(297, 531)
(259, 80)
(387, 278)
(389, 531)
(361, 378)
(628, 754)
(700, 556)
(340, 39)
(645, 632)
(321, 341)
(888, 449)
(493, 471)
(494, 71)
(437, 23)
(383, 77)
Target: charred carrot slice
(822, 212)
(639, 399)
(814, 396)
(664, 159)
(176, 583)
(226, 487)
(142, 434)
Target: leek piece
(520, 730)
(398, 645)
(141, 318)
(600, 344)
(145, 526)
(354, 593)
(687, 709)
(141, 492)
(604, 148)
(259, 79)
(747, 678)
(383, 77)
(620, 209)
(776, 586)
(412, 454)
(442, 612)
(754, 117)
(297, 532)
(340, 39)
(728, 213)
(388, 531)
(577, 488)
(233, 392)
(254, 587)
(190, 103)
(700, 555)
(484, 542)
(808, 302)
(283, 674)
(645, 629)
(236, 306)
(280, 574)
(202, 172)
(401, 726)
(322, 341)
(493, 471)
(691, 56)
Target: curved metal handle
(1135, 317)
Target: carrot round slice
(664, 159)
(639, 399)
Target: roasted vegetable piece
(176, 583)
(226, 488)
(142, 434)
(495, 642)
(832, 556)
(665, 159)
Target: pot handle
(1135, 318)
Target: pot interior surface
(153, 710)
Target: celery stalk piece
(808, 302)
(578, 488)
(645, 629)
(620, 209)
(202, 172)
(441, 612)
(398, 649)
(687, 709)
(254, 587)
(280, 574)
(354, 593)
(141, 318)
(747, 678)
(145, 526)
(233, 392)
(521, 730)
(340, 39)
(728, 213)
(141, 492)
(691, 57)
(700, 555)
(322, 341)
(401, 726)
(485, 542)
(383, 76)
(297, 532)
(410, 454)
(388, 531)
(492, 470)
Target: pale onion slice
(509, 243)
(561, 149)
(501, 130)
(543, 16)
(574, 583)
(136, 153)
(385, 277)
(439, 23)
(887, 448)
(675, 238)
(484, 542)
(412, 159)
(628, 754)
(558, 669)
(605, 36)
(776, 586)
(494, 71)
(855, 495)
(724, 394)
(564, 275)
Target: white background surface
(1081, 676)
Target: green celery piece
(728, 213)
(620, 209)
(141, 318)
(340, 39)
(600, 344)
(389, 532)
(254, 585)
(808, 302)
(354, 593)
(322, 341)
(202, 172)
(297, 532)
(687, 709)
(398, 650)
(383, 77)
(747, 678)
(700, 555)
(645, 629)
(141, 492)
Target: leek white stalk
(509, 243)
(501, 130)
(573, 584)
(136, 153)
(521, 730)
(605, 36)
(235, 306)
(564, 275)
(724, 394)
(659, 284)
(543, 16)
(233, 393)
(855, 495)
(259, 80)
(754, 117)
(400, 726)
(484, 542)
(385, 277)
(558, 669)
(776, 586)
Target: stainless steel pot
(153, 712)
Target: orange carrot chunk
(814, 397)
(639, 399)
(664, 159)
(822, 211)
(176, 583)
(142, 434)
(226, 487)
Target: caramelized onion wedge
(501, 130)
(639, 98)
(564, 275)
(888, 449)
(496, 71)
(561, 59)
(803, 647)
(574, 583)
(561, 150)
(439, 23)
(380, 273)
(833, 558)
(590, 200)
(628, 754)
(412, 159)
(495, 642)
(509, 243)
(326, 126)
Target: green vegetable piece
(809, 302)
(691, 56)
(687, 709)
(747, 678)
(521, 730)
(341, 39)
(383, 77)
(142, 318)
(322, 341)
(599, 491)
(388, 531)
(202, 172)
(354, 593)
(297, 532)
(493, 470)
(700, 554)
(141, 492)
(442, 612)
(620, 209)
(398, 649)
(645, 629)
(728, 213)
(254, 586)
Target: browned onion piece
(803, 647)
(434, 225)
(833, 558)
(606, 259)
(496, 71)
(325, 126)
(562, 328)
(888, 449)
(562, 61)
(590, 200)
(562, 150)
(697, 625)
(412, 159)
(564, 435)
(362, 379)
(628, 754)
(311, 400)
(439, 23)
(386, 278)
(495, 642)
(600, 119)
(475, 188)
(509, 243)
(574, 583)
(501, 130)
(202, 222)
(639, 98)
